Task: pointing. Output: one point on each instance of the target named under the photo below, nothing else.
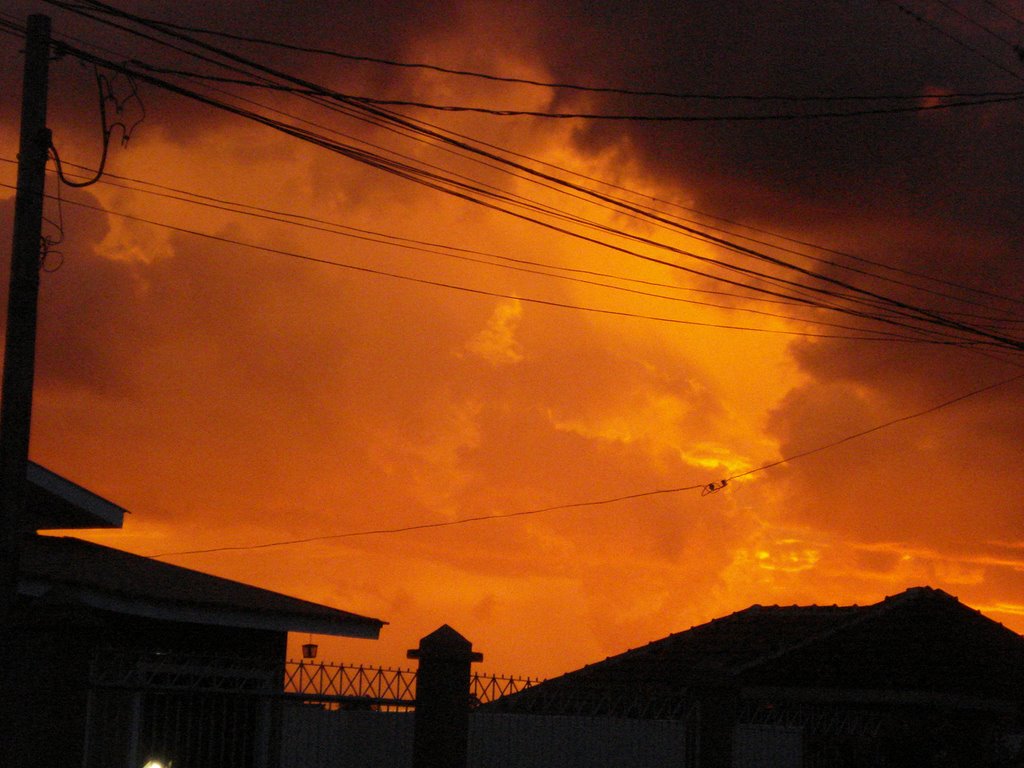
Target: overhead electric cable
(439, 524)
(998, 8)
(12, 27)
(965, 45)
(519, 198)
(974, 22)
(470, 193)
(896, 307)
(900, 420)
(816, 246)
(690, 221)
(554, 85)
(464, 146)
(936, 103)
(436, 248)
(322, 143)
(449, 251)
(880, 336)
(520, 265)
(236, 69)
(714, 486)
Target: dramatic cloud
(316, 350)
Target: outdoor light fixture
(309, 649)
(156, 764)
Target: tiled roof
(921, 639)
(111, 579)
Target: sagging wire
(50, 260)
(106, 90)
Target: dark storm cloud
(963, 163)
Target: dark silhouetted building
(123, 657)
(919, 679)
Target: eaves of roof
(113, 580)
(54, 502)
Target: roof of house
(110, 579)
(53, 502)
(922, 639)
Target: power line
(441, 524)
(488, 198)
(548, 84)
(703, 487)
(520, 265)
(315, 140)
(999, 9)
(317, 224)
(900, 420)
(972, 100)
(945, 102)
(503, 295)
(949, 36)
(237, 70)
(901, 307)
(464, 254)
(472, 193)
(745, 237)
(974, 22)
(449, 251)
(657, 222)
(825, 249)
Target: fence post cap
(447, 644)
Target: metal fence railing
(385, 687)
(202, 712)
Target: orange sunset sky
(248, 338)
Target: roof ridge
(846, 616)
(859, 615)
(854, 614)
(919, 593)
(736, 616)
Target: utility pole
(20, 349)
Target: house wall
(134, 633)
(49, 683)
(55, 644)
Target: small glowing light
(154, 764)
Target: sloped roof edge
(55, 502)
(113, 580)
(727, 648)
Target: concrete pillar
(441, 732)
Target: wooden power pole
(19, 361)
(20, 349)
